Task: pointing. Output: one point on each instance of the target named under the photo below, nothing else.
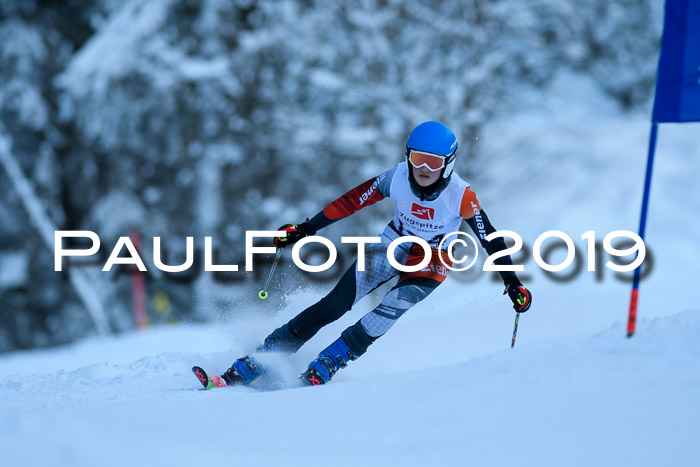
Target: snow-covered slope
(595, 399)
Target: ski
(209, 382)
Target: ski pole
(263, 293)
(515, 329)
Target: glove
(519, 295)
(294, 234)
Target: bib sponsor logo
(422, 213)
(436, 268)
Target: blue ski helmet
(434, 138)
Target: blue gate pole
(632, 320)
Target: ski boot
(328, 362)
(246, 370)
(243, 371)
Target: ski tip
(201, 376)
(209, 382)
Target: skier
(431, 201)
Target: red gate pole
(138, 285)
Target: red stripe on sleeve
(359, 197)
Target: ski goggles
(432, 162)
